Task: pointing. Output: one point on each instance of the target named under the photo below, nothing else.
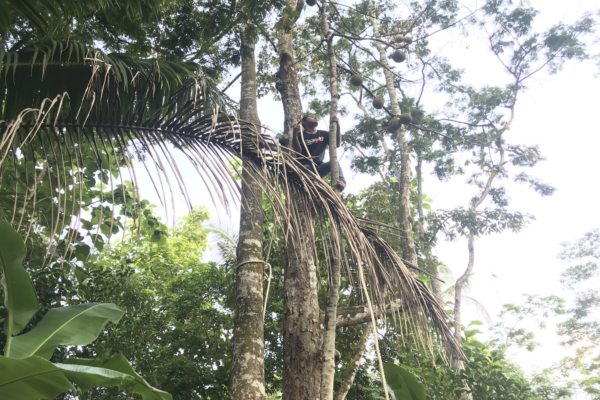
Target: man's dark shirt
(317, 143)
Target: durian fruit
(393, 124)
(398, 56)
(356, 79)
(405, 118)
(311, 2)
(398, 39)
(407, 39)
(378, 103)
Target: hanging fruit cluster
(356, 79)
(397, 121)
(378, 102)
(398, 56)
(399, 40)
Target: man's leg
(324, 169)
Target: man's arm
(297, 141)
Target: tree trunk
(403, 173)
(247, 380)
(302, 331)
(464, 278)
(458, 288)
(354, 365)
(462, 281)
(431, 264)
(329, 334)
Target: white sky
(560, 113)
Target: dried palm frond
(127, 116)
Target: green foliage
(575, 321)
(19, 294)
(461, 221)
(469, 137)
(115, 371)
(403, 383)
(491, 376)
(71, 325)
(31, 378)
(26, 372)
(536, 311)
(178, 324)
(488, 374)
(180, 30)
(581, 329)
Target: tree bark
(247, 380)
(458, 288)
(302, 330)
(432, 267)
(329, 334)
(464, 278)
(403, 173)
(354, 365)
(354, 315)
(462, 281)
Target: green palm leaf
(74, 325)
(43, 14)
(51, 68)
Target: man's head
(310, 122)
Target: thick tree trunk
(329, 334)
(288, 86)
(247, 380)
(302, 330)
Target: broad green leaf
(403, 383)
(87, 377)
(32, 378)
(74, 325)
(109, 370)
(19, 295)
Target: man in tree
(312, 143)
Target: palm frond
(137, 86)
(43, 14)
(114, 125)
